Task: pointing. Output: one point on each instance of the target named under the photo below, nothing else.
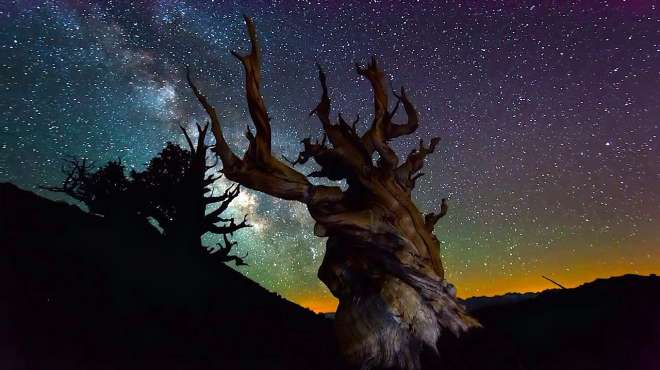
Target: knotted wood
(382, 259)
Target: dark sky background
(549, 116)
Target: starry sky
(549, 114)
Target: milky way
(548, 115)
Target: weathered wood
(382, 259)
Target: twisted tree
(382, 260)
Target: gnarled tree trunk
(382, 260)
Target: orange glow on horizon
(533, 282)
(326, 303)
(320, 304)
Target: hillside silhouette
(86, 292)
(605, 324)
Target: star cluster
(548, 114)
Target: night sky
(549, 117)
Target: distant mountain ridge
(479, 302)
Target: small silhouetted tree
(173, 190)
(102, 191)
(157, 187)
(177, 193)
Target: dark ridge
(82, 292)
(606, 324)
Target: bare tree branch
(188, 140)
(228, 229)
(258, 169)
(76, 171)
(414, 162)
(214, 216)
(221, 147)
(394, 130)
(222, 252)
(431, 219)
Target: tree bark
(382, 259)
